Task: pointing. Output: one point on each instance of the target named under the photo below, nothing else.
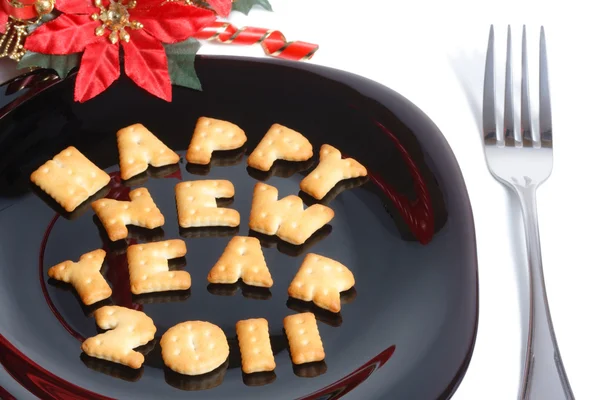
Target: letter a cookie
(197, 204)
(304, 338)
(138, 148)
(194, 347)
(287, 217)
(331, 170)
(70, 178)
(320, 280)
(242, 258)
(280, 143)
(255, 345)
(129, 329)
(149, 267)
(85, 276)
(116, 215)
(213, 134)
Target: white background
(433, 53)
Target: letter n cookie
(287, 217)
(138, 148)
(70, 178)
(149, 267)
(303, 337)
(255, 345)
(197, 204)
(116, 215)
(331, 170)
(242, 258)
(320, 280)
(194, 347)
(128, 329)
(213, 134)
(85, 276)
(280, 143)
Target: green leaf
(43, 19)
(62, 64)
(246, 5)
(181, 57)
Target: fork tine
(525, 112)
(545, 109)
(509, 123)
(489, 103)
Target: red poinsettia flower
(221, 7)
(100, 28)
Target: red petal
(66, 34)
(174, 22)
(76, 6)
(98, 70)
(221, 7)
(146, 64)
(3, 21)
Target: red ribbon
(273, 42)
(25, 10)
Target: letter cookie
(70, 178)
(129, 329)
(85, 276)
(138, 148)
(303, 337)
(116, 215)
(320, 280)
(194, 347)
(242, 258)
(255, 345)
(213, 134)
(331, 170)
(280, 143)
(287, 217)
(197, 204)
(149, 267)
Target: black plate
(406, 331)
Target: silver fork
(523, 162)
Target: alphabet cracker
(129, 329)
(149, 267)
(213, 134)
(197, 204)
(331, 170)
(242, 258)
(303, 337)
(138, 148)
(70, 178)
(287, 217)
(85, 276)
(116, 215)
(255, 345)
(280, 143)
(320, 280)
(194, 347)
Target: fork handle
(544, 376)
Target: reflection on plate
(198, 382)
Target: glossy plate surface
(407, 329)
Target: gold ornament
(11, 41)
(115, 18)
(43, 7)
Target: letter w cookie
(320, 280)
(287, 217)
(331, 170)
(149, 267)
(129, 329)
(116, 215)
